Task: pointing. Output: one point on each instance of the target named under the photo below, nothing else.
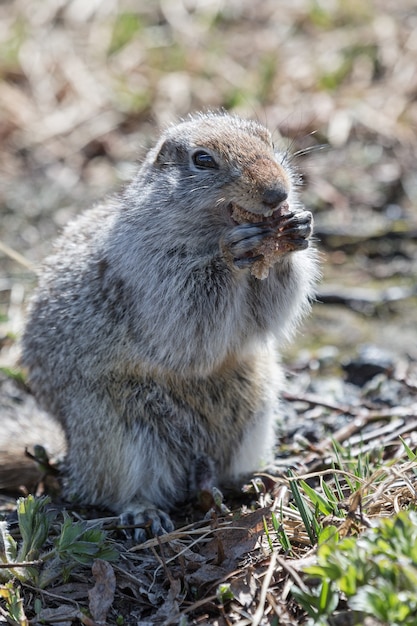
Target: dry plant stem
(362, 419)
(296, 578)
(405, 381)
(22, 564)
(401, 475)
(16, 256)
(162, 560)
(395, 474)
(185, 535)
(366, 415)
(50, 594)
(365, 418)
(259, 613)
(273, 604)
(323, 473)
(316, 401)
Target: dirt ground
(85, 86)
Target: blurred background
(85, 86)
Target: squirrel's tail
(25, 430)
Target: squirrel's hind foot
(146, 520)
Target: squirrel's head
(225, 162)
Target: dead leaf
(170, 607)
(102, 594)
(244, 588)
(237, 540)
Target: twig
(162, 560)
(362, 419)
(404, 381)
(294, 575)
(22, 564)
(314, 400)
(50, 594)
(259, 613)
(179, 534)
(16, 256)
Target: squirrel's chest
(215, 408)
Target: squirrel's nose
(274, 196)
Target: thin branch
(16, 256)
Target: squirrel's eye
(204, 160)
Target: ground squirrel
(153, 335)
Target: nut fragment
(270, 247)
(270, 251)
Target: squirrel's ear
(161, 152)
(168, 152)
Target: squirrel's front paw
(147, 520)
(294, 231)
(259, 245)
(248, 243)
(242, 241)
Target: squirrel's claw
(148, 521)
